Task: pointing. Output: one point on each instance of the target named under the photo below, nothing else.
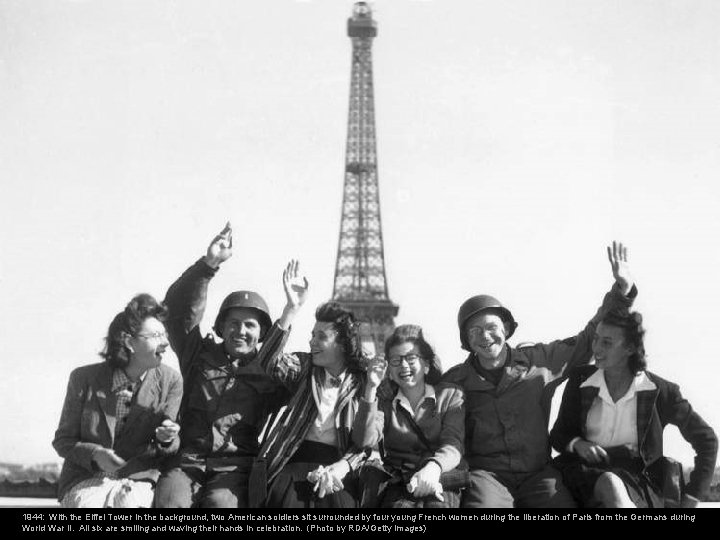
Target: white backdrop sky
(515, 140)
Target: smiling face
(406, 367)
(240, 331)
(325, 349)
(486, 336)
(609, 348)
(148, 346)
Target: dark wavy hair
(128, 323)
(412, 333)
(631, 323)
(347, 329)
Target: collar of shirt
(325, 394)
(236, 364)
(330, 381)
(401, 399)
(121, 381)
(640, 383)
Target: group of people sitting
(250, 426)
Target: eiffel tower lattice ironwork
(360, 281)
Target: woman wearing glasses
(118, 419)
(420, 421)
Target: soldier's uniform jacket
(506, 426)
(225, 404)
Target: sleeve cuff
(207, 271)
(369, 406)
(571, 445)
(164, 445)
(436, 462)
(355, 459)
(632, 293)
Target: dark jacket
(88, 423)
(655, 409)
(225, 406)
(506, 427)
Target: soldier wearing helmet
(228, 396)
(508, 393)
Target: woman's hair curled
(412, 333)
(347, 329)
(128, 323)
(631, 323)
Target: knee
(173, 490)
(610, 490)
(486, 492)
(606, 482)
(219, 498)
(170, 498)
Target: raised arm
(286, 368)
(560, 355)
(187, 297)
(369, 421)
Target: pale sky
(516, 139)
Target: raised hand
(220, 249)
(617, 255)
(295, 284)
(375, 369)
(296, 290)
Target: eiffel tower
(360, 281)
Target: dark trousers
(397, 496)
(196, 487)
(541, 489)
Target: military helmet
(247, 300)
(483, 302)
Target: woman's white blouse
(614, 423)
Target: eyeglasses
(475, 331)
(411, 359)
(154, 335)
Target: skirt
(291, 489)
(580, 478)
(396, 495)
